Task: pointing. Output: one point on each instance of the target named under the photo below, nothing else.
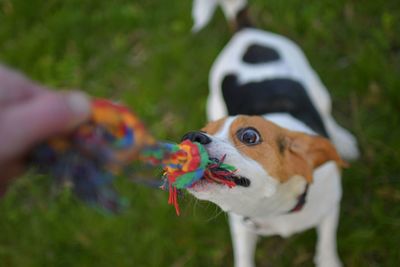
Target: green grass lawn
(142, 52)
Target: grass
(141, 52)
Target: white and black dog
(271, 116)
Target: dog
(270, 117)
(288, 180)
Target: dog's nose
(197, 137)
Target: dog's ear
(307, 152)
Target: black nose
(197, 137)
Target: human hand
(29, 114)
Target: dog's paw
(331, 261)
(245, 264)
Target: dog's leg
(244, 242)
(326, 253)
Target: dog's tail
(235, 12)
(344, 141)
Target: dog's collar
(301, 200)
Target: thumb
(30, 122)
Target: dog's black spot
(246, 219)
(271, 96)
(257, 54)
(250, 222)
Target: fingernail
(79, 104)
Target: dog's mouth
(241, 181)
(217, 174)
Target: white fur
(267, 202)
(203, 10)
(293, 64)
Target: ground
(142, 53)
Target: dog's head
(273, 164)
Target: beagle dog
(271, 118)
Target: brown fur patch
(214, 126)
(284, 153)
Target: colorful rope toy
(184, 165)
(89, 158)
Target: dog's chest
(324, 194)
(284, 225)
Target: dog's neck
(301, 201)
(289, 197)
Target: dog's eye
(249, 136)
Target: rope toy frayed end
(185, 165)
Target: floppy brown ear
(313, 151)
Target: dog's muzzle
(203, 139)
